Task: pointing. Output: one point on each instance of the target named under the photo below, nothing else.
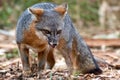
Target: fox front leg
(50, 59)
(24, 53)
(42, 57)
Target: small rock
(30, 79)
(3, 71)
(8, 74)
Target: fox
(47, 26)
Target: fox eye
(59, 31)
(36, 21)
(46, 31)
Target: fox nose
(53, 44)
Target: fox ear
(37, 12)
(62, 9)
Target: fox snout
(53, 42)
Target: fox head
(50, 22)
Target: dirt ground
(11, 69)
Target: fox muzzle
(53, 42)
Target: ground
(108, 56)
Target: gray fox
(44, 27)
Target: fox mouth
(52, 45)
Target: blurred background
(87, 15)
(98, 22)
(94, 19)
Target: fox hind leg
(83, 57)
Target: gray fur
(26, 18)
(53, 19)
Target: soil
(11, 69)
